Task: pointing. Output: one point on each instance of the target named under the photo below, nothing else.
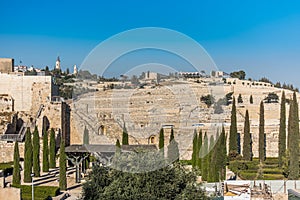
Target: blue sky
(260, 37)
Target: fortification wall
(28, 92)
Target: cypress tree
(233, 143)
(282, 131)
(294, 141)
(86, 138)
(62, 166)
(199, 147)
(16, 170)
(36, 153)
(45, 152)
(161, 143)
(118, 147)
(205, 161)
(125, 136)
(261, 145)
(223, 155)
(173, 150)
(247, 148)
(194, 154)
(211, 160)
(52, 149)
(28, 157)
(251, 99)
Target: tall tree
(62, 166)
(36, 153)
(118, 147)
(173, 150)
(204, 155)
(28, 157)
(223, 154)
(294, 141)
(45, 152)
(211, 162)
(52, 149)
(16, 170)
(161, 142)
(233, 139)
(195, 148)
(125, 136)
(261, 135)
(247, 147)
(86, 138)
(199, 147)
(282, 131)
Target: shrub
(247, 175)
(7, 168)
(273, 177)
(186, 162)
(40, 192)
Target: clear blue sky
(260, 37)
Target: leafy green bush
(40, 192)
(272, 171)
(7, 168)
(245, 175)
(238, 165)
(273, 177)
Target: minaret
(57, 64)
(75, 70)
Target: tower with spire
(57, 63)
(75, 70)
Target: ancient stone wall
(28, 92)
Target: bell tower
(57, 63)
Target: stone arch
(151, 139)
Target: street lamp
(32, 195)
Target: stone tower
(57, 63)
(75, 70)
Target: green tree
(86, 137)
(199, 147)
(208, 100)
(223, 153)
(45, 152)
(251, 99)
(233, 139)
(161, 143)
(211, 161)
(109, 183)
(195, 149)
(261, 135)
(118, 147)
(36, 153)
(239, 74)
(173, 150)
(28, 157)
(62, 166)
(282, 131)
(204, 156)
(52, 149)
(294, 140)
(16, 170)
(240, 99)
(247, 145)
(125, 136)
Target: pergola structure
(103, 153)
